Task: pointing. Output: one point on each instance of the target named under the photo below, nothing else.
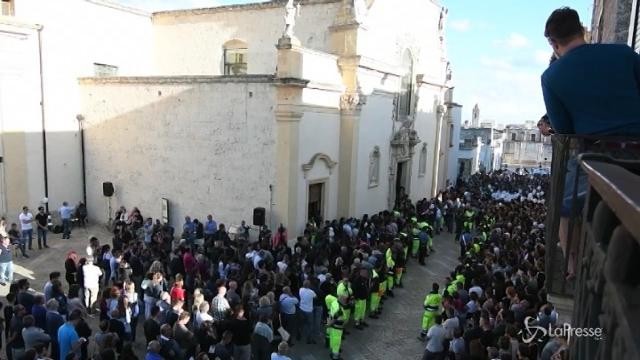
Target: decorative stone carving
(404, 142)
(352, 101)
(291, 12)
(374, 167)
(319, 156)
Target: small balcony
(603, 237)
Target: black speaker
(107, 189)
(258, 216)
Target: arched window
(235, 57)
(406, 86)
(422, 164)
(374, 167)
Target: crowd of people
(204, 294)
(497, 292)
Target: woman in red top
(177, 291)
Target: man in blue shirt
(66, 212)
(591, 89)
(210, 228)
(189, 230)
(68, 338)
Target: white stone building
(44, 48)
(224, 113)
(480, 149)
(525, 147)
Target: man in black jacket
(360, 286)
(152, 325)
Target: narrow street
(394, 335)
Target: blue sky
(496, 48)
(498, 52)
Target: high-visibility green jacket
(432, 302)
(389, 258)
(344, 289)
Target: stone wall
(207, 144)
(190, 42)
(73, 37)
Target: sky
(498, 51)
(496, 48)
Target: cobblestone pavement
(393, 336)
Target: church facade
(322, 109)
(329, 109)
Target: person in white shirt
(306, 307)
(451, 324)
(476, 289)
(203, 314)
(435, 341)
(26, 225)
(91, 284)
(283, 348)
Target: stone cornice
(192, 79)
(10, 21)
(238, 7)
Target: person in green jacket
(432, 304)
(391, 264)
(335, 324)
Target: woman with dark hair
(71, 268)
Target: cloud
(493, 63)
(461, 25)
(161, 5)
(506, 90)
(542, 57)
(514, 41)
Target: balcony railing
(607, 292)
(566, 150)
(604, 235)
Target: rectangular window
(103, 70)
(450, 135)
(513, 136)
(533, 137)
(235, 61)
(7, 8)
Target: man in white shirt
(306, 307)
(91, 284)
(475, 289)
(435, 341)
(26, 225)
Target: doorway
(401, 180)
(315, 206)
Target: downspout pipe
(39, 28)
(80, 119)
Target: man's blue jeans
(6, 271)
(66, 228)
(42, 237)
(27, 238)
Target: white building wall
(453, 168)
(375, 129)
(426, 125)
(319, 134)
(190, 42)
(21, 170)
(392, 28)
(75, 35)
(179, 139)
